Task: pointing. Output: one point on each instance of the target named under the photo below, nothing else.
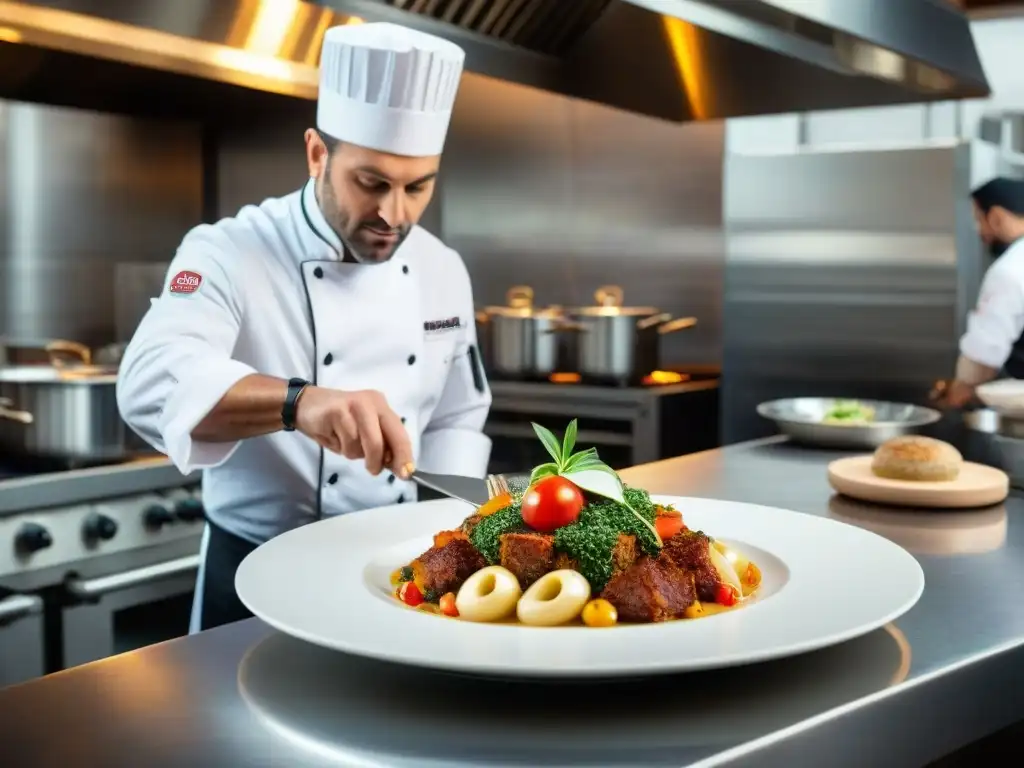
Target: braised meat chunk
(624, 553)
(689, 551)
(652, 589)
(444, 569)
(470, 523)
(528, 555)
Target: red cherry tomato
(410, 594)
(668, 523)
(551, 503)
(725, 595)
(447, 604)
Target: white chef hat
(387, 87)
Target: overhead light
(9, 35)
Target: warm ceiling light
(9, 35)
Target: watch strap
(291, 400)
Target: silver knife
(472, 490)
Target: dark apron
(220, 605)
(1014, 365)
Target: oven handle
(91, 589)
(16, 607)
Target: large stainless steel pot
(619, 343)
(520, 341)
(64, 410)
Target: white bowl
(1005, 396)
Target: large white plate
(823, 582)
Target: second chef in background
(303, 345)
(994, 341)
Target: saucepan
(519, 340)
(618, 343)
(66, 409)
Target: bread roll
(916, 458)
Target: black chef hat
(1001, 191)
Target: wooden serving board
(976, 486)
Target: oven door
(128, 610)
(21, 639)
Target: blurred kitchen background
(781, 202)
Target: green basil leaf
(585, 466)
(544, 470)
(550, 442)
(606, 483)
(581, 460)
(569, 441)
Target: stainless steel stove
(93, 561)
(673, 415)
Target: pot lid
(608, 303)
(519, 300)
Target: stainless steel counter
(950, 672)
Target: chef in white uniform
(994, 342)
(309, 352)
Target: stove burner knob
(99, 527)
(156, 517)
(189, 510)
(32, 538)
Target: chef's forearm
(972, 372)
(251, 408)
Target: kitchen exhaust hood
(673, 59)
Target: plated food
(575, 546)
(848, 413)
(845, 422)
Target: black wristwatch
(291, 400)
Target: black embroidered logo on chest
(434, 327)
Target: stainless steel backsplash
(559, 194)
(849, 274)
(81, 192)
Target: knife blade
(472, 490)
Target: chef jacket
(267, 292)
(995, 329)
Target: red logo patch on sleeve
(185, 283)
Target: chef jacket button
(403, 419)
(405, 269)
(332, 479)
(328, 359)
(412, 359)
(401, 499)
(318, 272)
(391, 478)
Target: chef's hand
(952, 394)
(358, 425)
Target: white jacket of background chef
(275, 298)
(995, 329)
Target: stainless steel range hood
(674, 59)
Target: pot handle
(7, 412)
(647, 322)
(519, 296)
(679, 324)
(609, 296)
(55, 347)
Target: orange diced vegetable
(447, 604)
